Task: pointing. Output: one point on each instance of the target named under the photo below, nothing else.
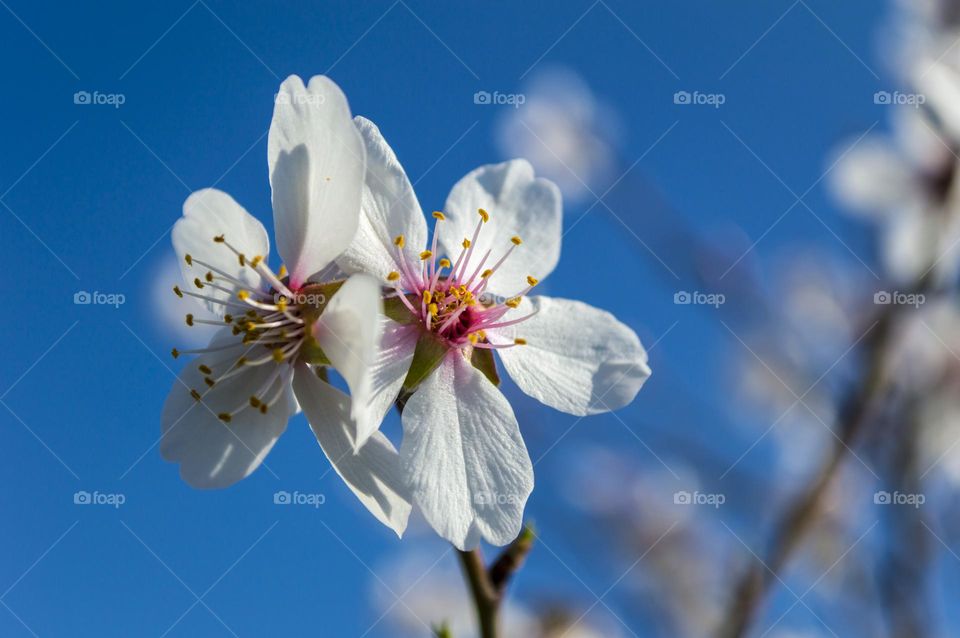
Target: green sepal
(482, 359)
(395, 309)
(311, 300)
(426, 358)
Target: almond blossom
(276, 332)
(456, 302)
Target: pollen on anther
(204, 369)
(219, 239)
(433, 309)
(175, 353)
(254, 402)
(282, 272)
(187, 258)
(516, 240)
(263, 408)
(513, 303)
(243, 295)
(466, 243)
(427, 296)
(278, 355)
(179, 292)
(486, 273)
(228, 318)
(197, 282)
(196, 395)
(484, 215)
(533, 281)
(224, 416)
(190, 320)
(210, 382)
(209, 276)
(520, 342)
(242, 259)
(438, 215)
(425, 255)
(256, 260)
(472, 337)
(282, 304)
(399, 241)
(444, 263)
(393, 276)
(241, 362)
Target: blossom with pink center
(455, 303)
(276, 333)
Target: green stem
(486, 599)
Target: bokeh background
(710, 156)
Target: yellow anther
(427, 296)
(187, 258)
(196, 395)
(533, 281)
(190, 320)
(520, 342)
(256, 260)
(224, 416)
(433, 309)
(177, 290)
(254, 402)
(484, 215)
(219, 239)
(278, 355)
(466, 243)
(263, 408)
(282, 304)
(438, 215)
(513, 303)
(282, 272)
(210, 382)
(228, 318)
(472, 337)
(399, 241)
(197, 282)
(425, 255)
(444, 263)
(393, 276)
(175, 353)
(486, 273)
(516, 240)
(251, 326)
(482, 334)
(204, 369)
(243, 295)
(209, 276)
(242, 259)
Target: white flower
(230, 405)
(467, 465)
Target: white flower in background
(468, 468)
(229, 406)
(565, 132)
(907, 185)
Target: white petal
(468, 468)
(373, 473)
(389, 208)
(316, 159)
(390, 368)
(211, 453)
(578, 359)
(519, 205)
(348, 331)
(209, 213)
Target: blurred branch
(790, 529)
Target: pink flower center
(450, 299)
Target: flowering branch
(487, 586)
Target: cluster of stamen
(269, 321)
(450, 298)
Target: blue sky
(90, 192)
